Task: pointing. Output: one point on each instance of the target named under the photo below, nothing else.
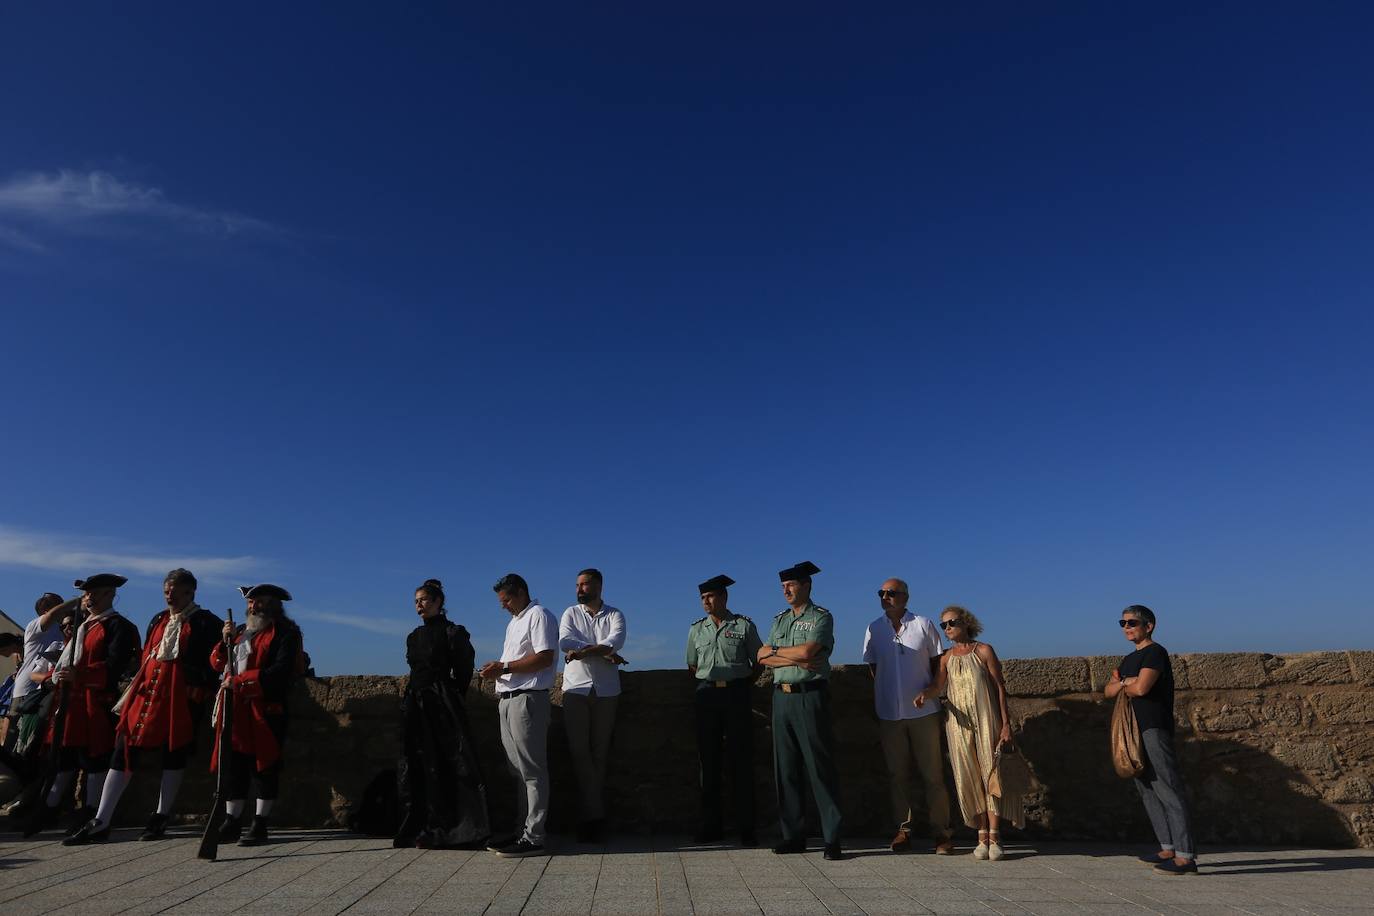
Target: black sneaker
(501, 843)
(833, 852)
(1171, 867)
(156, 829)
(789, 847)
(521, 849)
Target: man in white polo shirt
(902, 651)
(590, 636)
(524, 676)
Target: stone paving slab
(312, 873)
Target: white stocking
(115, 783)
(171, 784)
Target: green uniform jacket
(813, 624)
(725, 652)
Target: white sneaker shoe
(980, 851)
(995, 850)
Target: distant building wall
(1276, 749)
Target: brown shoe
(901, 842)
(944, 847)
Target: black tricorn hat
(802, 572)
(100, 580)
(265, 590)
(716, 584)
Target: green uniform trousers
(803, 746)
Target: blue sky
(1046, 308)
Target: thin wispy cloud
(357, 621)
(83, 556)
(74, 202)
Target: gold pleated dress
(972, 724)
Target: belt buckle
(787, 688)
(721, 683)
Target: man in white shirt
(590, 636)
(524, 676)
(902, 651)
(43, 641)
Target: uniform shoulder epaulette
(745, 617)
(786, 610)
(699, 620)
(821, 609)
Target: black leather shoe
(707, 835)
(747, 838)
(833, 853)
(91, 832)
(789, 847)
(231, 829)
(79, 820)
(156, 829)
(257, 833)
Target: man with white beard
(265, 660)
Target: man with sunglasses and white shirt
(902, 651)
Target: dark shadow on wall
(1237, 793)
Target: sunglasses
(1128, 623)
(889, 593)
(949, 624)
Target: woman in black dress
(443, 799)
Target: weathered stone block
(1046, 677)
(1343, 707)
(1100, 668)
(1352, 789)
(1308, 668)
(1224, 670)
(1225, 718)
(1311, 757)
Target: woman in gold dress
(979, 729)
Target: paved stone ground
(325, 872)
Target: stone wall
(1276, 749)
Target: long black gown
(440, 791)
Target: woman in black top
(1147, 677)
(443, 800)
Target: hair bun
(434, 583)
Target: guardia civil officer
(798, 651)
(722, 654)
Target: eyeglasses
(889, 593)
(1127, 623)
(949, 624)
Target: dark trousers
(803, 756)
(243, 769)
(725, 740)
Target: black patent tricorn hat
(265, 590)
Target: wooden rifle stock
(209, 841)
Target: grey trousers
(525, 736)
(1162, 791)
(907, 740)
(590, 720)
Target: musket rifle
(224, 716)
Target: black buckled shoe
(79, 820)
(257, 833)
(91, 832)
(156, 829)
(231, 829)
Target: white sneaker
(995, 851)
(980, 851)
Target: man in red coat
(265, 661)
(163, 707)
(88, 675)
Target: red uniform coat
(106, 648)
(164, 698)
(260, 690)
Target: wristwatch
(505, 667)
(774, 648)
